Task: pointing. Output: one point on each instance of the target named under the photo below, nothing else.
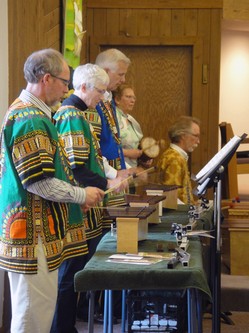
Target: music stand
(211, 175)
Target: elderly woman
(130, 130)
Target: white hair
(90, 75)
(109, 59)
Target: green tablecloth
(99, 274)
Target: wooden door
(161, 77)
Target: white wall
(3, 95)
(234, 88)
(3, 58)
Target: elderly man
(116, 64)
(184, 136)
(38, 228)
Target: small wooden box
(132, 226)
(129, 232)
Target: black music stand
(211, 176)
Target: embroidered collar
(75, 101)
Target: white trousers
(33, 297)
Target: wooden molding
(155, 4)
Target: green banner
(73, 32)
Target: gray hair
(180, 127)
(90, 75)
(109, 59)
(41, 62)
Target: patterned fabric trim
(110, 119)
(93, 117)
(93, 223)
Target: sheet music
(200, 189)
(217, 160)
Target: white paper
(217, 160)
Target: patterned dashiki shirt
(82, 148)
(30, 152)
(173, 168)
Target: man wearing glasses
(184, 137)
(41, 219)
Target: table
(99, 274)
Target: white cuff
(110, 172)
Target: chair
(239, 164)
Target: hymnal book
(222, 158)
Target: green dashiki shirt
(30, 152)
(173, 168)
(112, 199)
(82, 148)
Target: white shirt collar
(108, 96)
(180, 150)
(28, 97)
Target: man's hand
(93, 196)
(118, 183)
(124, 173)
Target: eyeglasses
(66, 82)
(100, 91)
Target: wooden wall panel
(33, 25)
(177, 25)
(164, 23)
(144, 23)
(112, 21)
(191, 22)
(128, 23)
(169, 23)
(236, 10)
(100, 22)
(50, 6)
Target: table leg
(91, 312)
(123, 311)
(192, 316)
(199, 310)
(105, 324)
(110, 319)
